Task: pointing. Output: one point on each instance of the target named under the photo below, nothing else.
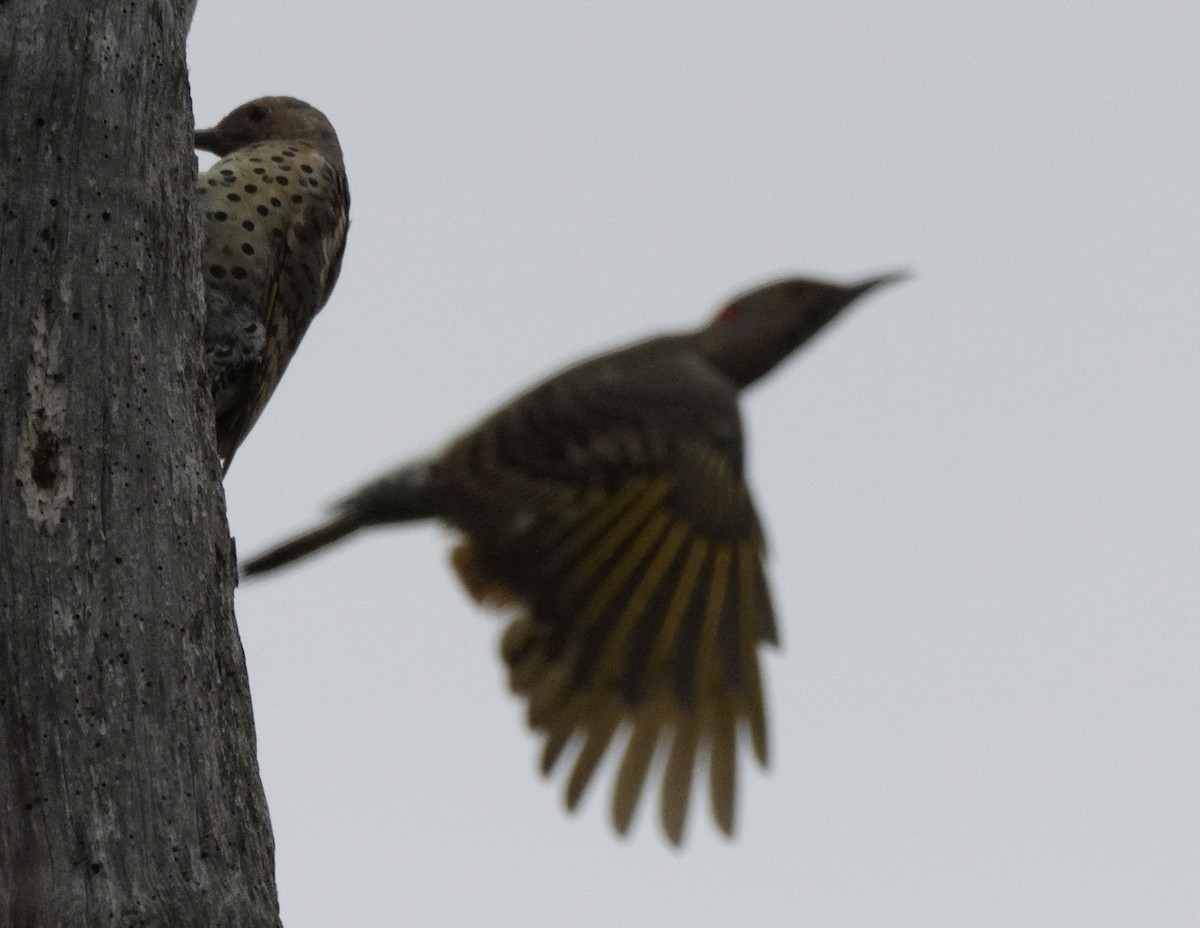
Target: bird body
(275, 212)
(607, 507)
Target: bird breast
(259, 201)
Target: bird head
(270, 119)
(756, 330)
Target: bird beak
(854, 291)
(212, 140)
(870, 283)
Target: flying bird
(607, 509)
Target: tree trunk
(129, 789)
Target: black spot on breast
(217, 272)
(281, 180)
(297, 198)
(238, 272)
(276, 202)
(306, 168)
(263, 211)
(251, 188)
(233, 198)
(247, 248)
(220, 215)
(248, 225)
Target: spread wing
(612, 512)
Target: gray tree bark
(129, 788)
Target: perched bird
(275, 210)
(607, 507)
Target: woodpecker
(275, 212)
(606, 508)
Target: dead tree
(129, 788)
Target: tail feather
(399, 496)
(302, 545)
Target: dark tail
(399, 496)
(302, 545)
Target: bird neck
(330, 149)
(743, 353)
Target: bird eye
(257, 113)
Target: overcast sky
(980, 487)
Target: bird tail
(302, 545)
(400, 496)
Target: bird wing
(613, 512)
(334, 243)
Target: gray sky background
(980, 487)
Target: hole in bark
(45, 456)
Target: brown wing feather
(642, 605)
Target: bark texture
(129, 788)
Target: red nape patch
(732, 311)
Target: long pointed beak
(854, 291)
(210, 140)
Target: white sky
(980, 487)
